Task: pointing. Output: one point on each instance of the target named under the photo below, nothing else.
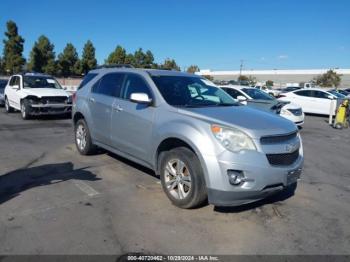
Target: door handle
(117, 108)
(91, 100)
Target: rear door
(132, 122)
(322, 102)
(101, 100)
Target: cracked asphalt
(54, 201)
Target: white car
(36, 94)
(311, 100)
(269, 90)
(256, 98)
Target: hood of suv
(255, 122)
(44, 92)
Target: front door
(132, 122)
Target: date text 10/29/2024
(171, 258)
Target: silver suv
(200, 141)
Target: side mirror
(15, 87)
(241, 98)
(331, 97)
(141, 98)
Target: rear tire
(182, 178)
(83, 139)
(8, 108)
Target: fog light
(235, 177)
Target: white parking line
(86, 188)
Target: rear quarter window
(87, 79)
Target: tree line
(42, 58)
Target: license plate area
(293, 176)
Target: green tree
(129, 59)
(170, 64)
(13, 49)
(140, 58)
(269, 83)
(149, 59)
(88, 59)
(192, 69)
(2, 71)
(118, 56)
(328, 79)
(42, 56)
(246, 80)
(68, 61)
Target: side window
(109, 85)
(87, 79)
(307, 93)
(320, 94)
(232, 92)
(135, 84)
(14, 81)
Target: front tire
(182, 178)
(25, 109)
(8, 108)
(83, 139)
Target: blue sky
(215, 34)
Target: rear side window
(135, 84)
(109, 85)
(87, 79)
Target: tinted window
(307, 93)
(135, 84)
(87, 79)
(109, 85)
(232, 92)
(257, 94)
(320, 94)
(40, 82)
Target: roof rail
(115, 66)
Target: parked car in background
(269, 90)
(341, 92)
(290, 89)
(258, 99)
(2, 90)
(36, 94)
(199, 140)
(311, 100)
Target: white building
(279, 77)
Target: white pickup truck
(36, 94)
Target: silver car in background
(200, 141)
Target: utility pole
(240, 68)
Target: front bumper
(298, 120)
(261, 179)
(50, 109)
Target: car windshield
(257, 94)
(40, 82)
(184, 91)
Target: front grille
(283, 159)
(296, 112)
(277, 138)
(54, 100)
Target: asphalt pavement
(54, 201)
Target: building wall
(279, 77)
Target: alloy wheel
(177, 179)
(81, 137)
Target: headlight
(285, 112)
(233, 139)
